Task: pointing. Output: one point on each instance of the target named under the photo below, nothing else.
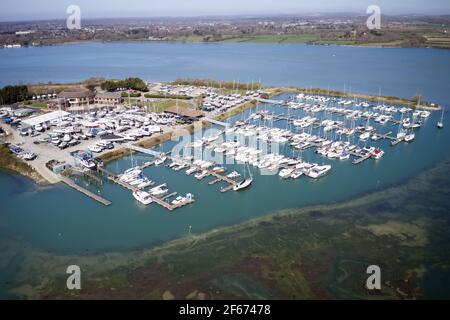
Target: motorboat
(95, 149)
(409, 137)
(67, 137)
(178, 200)
(88, 163)
(160, 161)
(364, 136)
(286, 173)
(159, 190)
(233, 175)
(29, 156)
(201, 175)
(377, 154)
(191, 170)
(296, 174)
(143, 197)
(144, 184)
(218, 169)
(63, 145)
(319, 171)
(344, 156)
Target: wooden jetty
(396, 141)
(360, 158)
(84, 191)
(84, 173)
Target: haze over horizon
(47, 9)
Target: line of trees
(129, 83)
(13, 94)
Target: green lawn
(161, 105)
(274, 38)
(37, 104)
(191, 39)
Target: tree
(129, 83)
(13, 94)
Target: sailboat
(440, 124)
(244, 183)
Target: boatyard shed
(184, 112)
(45, 118)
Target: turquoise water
(398, 72)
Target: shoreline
(274, 91)
(367, 45)
(14, 165)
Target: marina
(326, 125)
(276, 137)
(225, 151)
(304, 162)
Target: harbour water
(60, 220)
(398, 72)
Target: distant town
(317, 29)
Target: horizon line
(215, 16)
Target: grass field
(161, 105)
(287, 39)
(37, 105)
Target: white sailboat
(244, 183)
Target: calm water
(59, 219)
(399, 72)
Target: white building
(45, 118)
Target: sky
(56, 9)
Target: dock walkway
(84, 191)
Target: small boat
(233, 175)
(67, 137)
(191, 170)
(286, 173)
(201, 175)
(146, 183)
(318, 171)
(178, 200)
(88, 163)
(143, 197)
(159, 190)
(364, 136)
(29, 156)
(296, 174)
(344, 156)
(95, 149)
(160, 161)
(377, 154)
(409, 137)
(219, 169)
